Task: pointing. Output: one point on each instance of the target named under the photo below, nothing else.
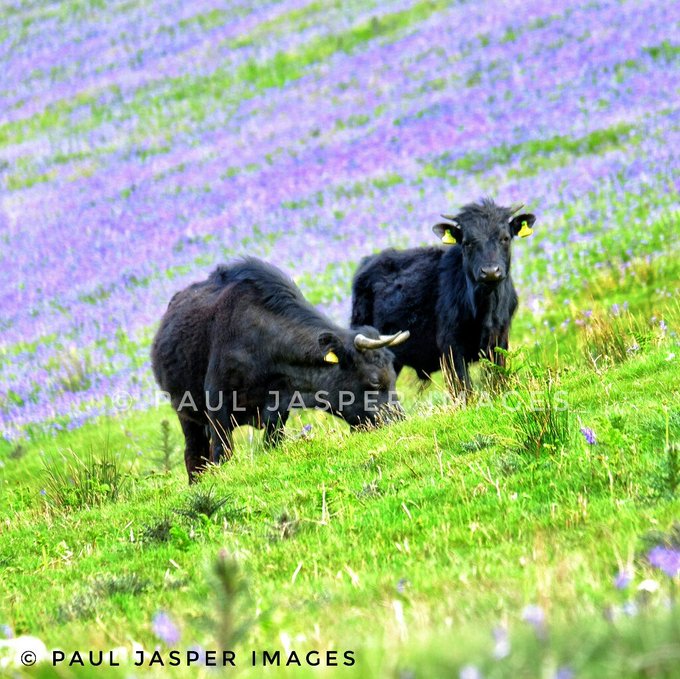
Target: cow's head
(484, 231)
(361, 378)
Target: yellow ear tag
(330, 357)
(448, 239)
(526, 230)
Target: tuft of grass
(543, 420)
(120, 583)
(611, 338)
(17, 451)
(158, 530)
(479, 442)
(202, 502)
(285, 526)
(87, 482)
(77, 369)
(668, 477)
(87, 603)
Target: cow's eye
(467, 245)
(505, 239)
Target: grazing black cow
(244, 347)
(457, 302)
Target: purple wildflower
(534, 615)
(200, 652)
(630, 608)
(470, 672)
(165, 629)
(666, 559)
(623, 579)
(589, 435)
(564, 673)
(501, 647)
(43, 491)
(6, 632)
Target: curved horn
(363, 343)
(398, 338)
(451, 218)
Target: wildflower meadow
(531, 529)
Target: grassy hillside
(531, 531)
(391, 542)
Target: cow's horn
(362, 343)
(451, 218)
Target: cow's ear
(331, 347)
(449, 232)
(521, 225)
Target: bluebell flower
(165, 629)
(666, 559)
(589, 435)
(470, 672)
(623, 579)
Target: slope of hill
(142, 143)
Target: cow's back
(224, 333)
(400, 288)
(181, 348)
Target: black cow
(244, 346)
(457, 302)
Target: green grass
(533, 152)
(454, 523)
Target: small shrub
(87, 482)
(230, 589)
(166, 460)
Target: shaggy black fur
(248, 331)
(456, 300)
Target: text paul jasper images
(207, 658)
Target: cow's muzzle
(490, 274)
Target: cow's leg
(196, 448)
(456, 366)
(219, 415)
(460, 366)
(501, 341)
(273, 427)
(221, 439)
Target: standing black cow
(457, 301)
(244, 346)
